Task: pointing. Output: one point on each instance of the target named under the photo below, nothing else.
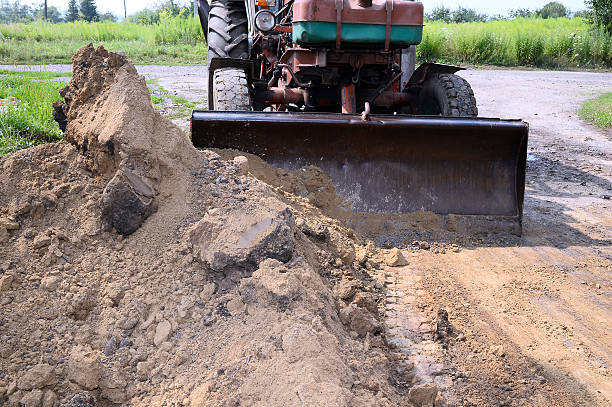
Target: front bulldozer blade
(388, 164)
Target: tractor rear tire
(228, 31)
(447, 95)
(231, 90)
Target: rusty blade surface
(390, 164)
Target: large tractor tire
(228, 37)
(228, 31)
(231, 90)
(447, 95)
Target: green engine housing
(355, 34)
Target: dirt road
(534, 312)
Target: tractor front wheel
(447, 95)
(231, 90)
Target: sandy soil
(535, 313)
(528, 318)
(544, 298)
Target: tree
(15, 13)
(553, 10)
(467, 15)
(521, 13)
(73, 11)
(53, 14)
(601, 13)
(108, 16)
(440, 13)
(89, 11)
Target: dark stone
(444, 329)
(59, 114)
(81, 399)
(317, 232)
(269, 236)
(126, 202)
(111, 346)
(125, 343)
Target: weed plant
(598, 111)
(31, 121)
(548, 43)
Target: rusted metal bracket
(339, 8)
(389, 8)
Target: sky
(482, 6)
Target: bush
(553, 10)
(440, 13)
(460, 15)
(529, 50)
(467, 15)
(601, 13)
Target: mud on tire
(231, 90)
(447, 95)
(228, 30)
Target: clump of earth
(137, 270)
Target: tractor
(334, 83)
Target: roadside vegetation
(551, 37)
(26, 112)
(598, 111)
(34, 74)
(525, 41)
(172, 40)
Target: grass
(550, 43)
(598, 111)
(30, 122)
(42, 75)
(173, 41)
(178, 108)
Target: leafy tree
(460, 15)
(15, 13)
(53, 14)
(583, 14)
(601, 13)
(108, 16)
(467, 15)
(521, 13)
(146, 16)
(73, 11)
(169, 8)
(89, 11)
(553, 10)
(440, 13)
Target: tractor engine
(334, 55)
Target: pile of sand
(137, 270)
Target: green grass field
(551, 43)
(30, 122)
(35, 74)
(173, 41)
(598, 111)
